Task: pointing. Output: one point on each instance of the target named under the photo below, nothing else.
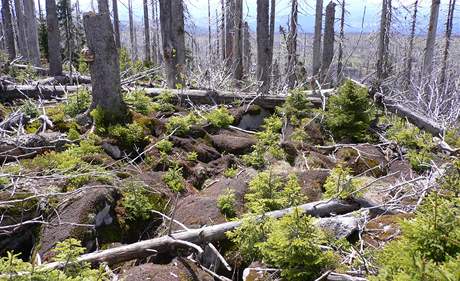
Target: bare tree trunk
(328, 44)
(263, 46)
(104, 67)
(31, 31)
(154, 34)
(431, 40)
(410, 51)
(54, 39)
(217, 37)
(209, 31)
(341, 41)
(229, 29)
(146, 33)
(222, 30)
(8, 29)
(272, 35)
(131, 30)
(449, 25)
(2, 37)
(21, 32)
(116, 23)
(317, 38)
(292, 47)
(384, 40)
(172, 34)
(246, 49)
(238, 41)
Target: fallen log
(201, 235)
(10, 93)
(64, 80)
(27, 146)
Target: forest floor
(62, 177)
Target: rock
(178, 270)
(340, 227)
(311, 182)
(232, 143)
(203, 171)
(85, 209)
(361, 159)
(257, 271)
(195, 211)
(205, 152)
(112, 150)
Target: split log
(27, 146)
(202, 235)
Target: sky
(356, 10)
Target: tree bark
(54, 39)
(8, 29)
(222, 29)
(317, 38)
(31, 31)
(292, 47)
(384, 42)
(131, 30)
(328, 44)
(263, 46)
(147, 55)
(203, 235)
(431, 41)
(238, 42)
(104, 67)
(449, 26)
(172, 33)
(116, 23)
(209, 31)
(410, 51)
(22, 42)
(271, 36)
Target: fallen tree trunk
(64, 80)
(201, 235)
(10, 93)
(27, 146)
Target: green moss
(231, 172)
(181, 125)
(163, 102)
(78, 103)
(128, 136)
(164, 146)
(139, 101)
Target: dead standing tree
(340, 75)
(237, 52)
(229, 29)
(32, 32)
(104, 65)
(54, 39)
(116, 23)
(172, 35)
(22, 45)
(292, 46)
(317, 38)
(264, 44)
(328, 44)
(384, 42)
(8, 29)
(430, 42)
(449, 26)
(147, 56)
(410, 51)
(246, 49)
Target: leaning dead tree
(8, 29)
(102, 57)
(172, 35)
(292, 46)
(54, 39)
(383, 55)
(317, 38)
(328, 44)
(431, 41)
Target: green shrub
(163, 102)
(220, 117)
(192, 156)
(77, 103)
(174, 180)
(268, 143)
(293, 245)
(139, 101)
(138, 202)
(350, 113)
(420, 160)
(13, 268)
(296, 107)
(226, 203)
(30, 109)
(428, 248)
(24, 75)
(181, 125)
(73, 134)
(164, 146)
(128, 136)
(341, 184)
(267, 193)
(231, 172)
(452, 137)
(409, 136)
